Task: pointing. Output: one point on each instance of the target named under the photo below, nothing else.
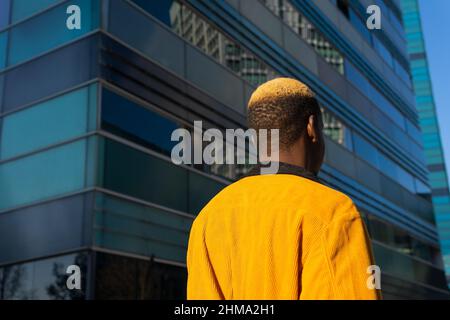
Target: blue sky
(435, 16)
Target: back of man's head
(285, 104)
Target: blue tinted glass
(49, 30)
(2, 79)
(359, 25)
(141, 229)
(4, 13)
(24, 8)
(51, 73)
(414, 132)
(43, 175)
(388, 167)
(159, 9)
(356, 77)
(402, 73)
(201, 190)
(52, 121)
(383, 51)
(3, 45)
(126, 118)
(348, 139)
(365, 150)
(49, 281)
(16, 281)
(386, 106)
(396, 22)
(133, 172)
(32, 223)
(159, 43)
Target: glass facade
(38, 34)
(86, 119)
(297, 22)
(43, 279)
(438, 177)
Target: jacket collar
(286, 168)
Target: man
(284, 235)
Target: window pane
(65, 232)
(3, 45)
(50, 277)
(134, 227)
(42, 279)
(119, 277)
(42, 175)
(52, 121)
(388, 167)
(405, 179)
(414, 132)
(4, 13)
(408, 268)
(383, 52)
(115, 277)
(137, 123)
(16, 282)
(39, 34)
(421, 188)
(201, 190)
(201, 33)
(31, 81)
(2, 81)
(305, 29)
(365, 150)
(356, 21)
(380, 231)
(336, 129)
(402, 73)
(135, 173)
(159, 9)
(24, 8)
(386, 106)
(167, 281)
(356, 78)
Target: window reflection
(399, 240)
(406, 267)
(42, 279)
(202, 34)
(50, 278)
(121, 277)
(336, 129)
(307, 31)
(357, 19)
(16, 282)
(137, 123)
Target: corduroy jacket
(279, 236)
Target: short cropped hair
(285, 104)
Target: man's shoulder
(294, 183)
(285, 190)
(292, 186)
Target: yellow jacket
(279, 236)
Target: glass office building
(86, 118)
(438, 178)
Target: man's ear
(311, 129)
